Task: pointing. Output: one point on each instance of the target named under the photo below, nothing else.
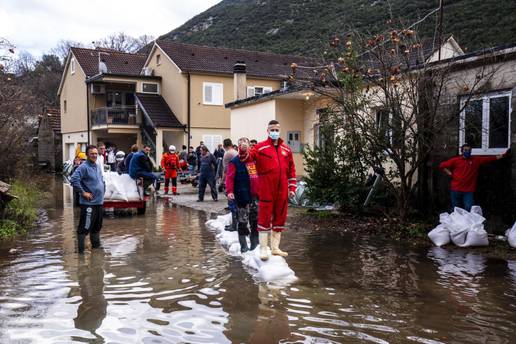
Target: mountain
(305, 26)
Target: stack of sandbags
(463, 228)
(120, 187)
(510, 234)
(275, 270)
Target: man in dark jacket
(208, 166)
(191, 159)
(88, 181)
(198, 152)
(128, 157)
(141, 167)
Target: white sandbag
(275, 270)
(511, 236)
(476, 236)
(465, 228)
(440, 235)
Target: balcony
(121, 116)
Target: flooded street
(163, 278)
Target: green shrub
(21, 213)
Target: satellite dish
(102, 67)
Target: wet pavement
(163, 278)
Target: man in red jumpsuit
(277, 182)
(170, 164)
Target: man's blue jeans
(462, 200)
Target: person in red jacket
(463, 170)
(277, 182)
(170, 164)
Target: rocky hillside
(304, 26)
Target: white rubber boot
(264, 245)
(275, 241)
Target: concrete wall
(73, 91)
(290, 114)
(251, 120)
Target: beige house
(175, 94)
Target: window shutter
(267, 89)
(218, 94)
(250, 91)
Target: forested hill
(304, 26)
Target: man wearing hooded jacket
(277, 182)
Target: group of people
(259, 179)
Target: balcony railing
(120, 115)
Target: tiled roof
(158, 110)
(54, 118)
(196, 58)
(116, 62)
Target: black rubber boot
(80, 243)
(95, 240)
(243, 243)
(254, 239)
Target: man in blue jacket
(88, 182)
(141, 167)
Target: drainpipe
(88, 111)
(188, 112)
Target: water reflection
(163, 278)
(92, 309)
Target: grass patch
(21, 213)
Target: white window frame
(294, 149)
(251, 90)
(72, 65)
(152, 83)
(485, 150)
(217, 101)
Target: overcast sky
(37, 25)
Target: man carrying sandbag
(463, 170)
(88, 181)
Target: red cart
(140, 205)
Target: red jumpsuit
(170, 164)
(276, 176)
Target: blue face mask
(467, 154)
(274, 135)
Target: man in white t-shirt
(101, 147)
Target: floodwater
(163, 278)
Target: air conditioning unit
(98, 89)
(147, 71)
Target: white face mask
(274, 135)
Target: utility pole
(440, 27)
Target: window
(212, 141)
(149, 88)
(213, 93)
(64, 106)
(294, 141)
(257, 90)
(72, 65)
(389, 127)
(158, 59)
(485, 123)
(324, 132)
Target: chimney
(240, 80)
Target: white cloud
(36, 26)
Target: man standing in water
(277, 182)
(88, 181)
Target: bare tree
(123, 42)
(62, 48)
(386, 99)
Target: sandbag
(465, 228)
(510, 234)
(440, 235)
